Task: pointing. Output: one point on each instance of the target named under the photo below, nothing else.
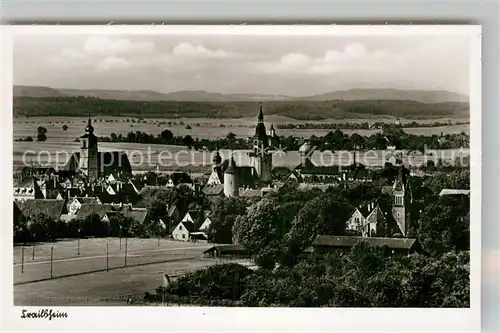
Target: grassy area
(83, 279)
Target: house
(28, 189)
(182, 231)
(366, 220)
(75, 203)
(205, 225)
(179, 178)
(195, 217)
(17, 214)
(231, 250)
(327, 243)
(98, 209)
(138, 216)
(51, 208)
(454, 192)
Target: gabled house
(366, 220)
(49, 207)
(195, 217)
(75, 203)
(88, 209)
(179, 178)
(182, 231)
(138, 216)
(28, 189)
(205, 225)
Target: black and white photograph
(222, 167)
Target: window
(183, 236)
(180, 227)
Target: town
(273, 215)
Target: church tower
(400, 201)
(262, 158)
(88, 163)
(230, 181)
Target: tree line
(303, 110)
(366, 125)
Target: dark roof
(139, 216)
(227, 249)
(137, 185)
(231, 168)
(49, 207)
(349, 241)
(189, 226)
(245, 175)
(213, 189)
(180, 178)
(17, 213)
(196, 215)
(87, 200)
(89, 209)
(108, 162)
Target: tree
(224, 214)
(188, 140)
(263, 228)
(41, 133)
(166, 136)
(325, 215)
(231, 136)
(65, 127)
(444, 225)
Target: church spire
(89, 129)
(261, 115)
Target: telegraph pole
(125, 250)
(51, 260)
(22, 260)
(107, 257)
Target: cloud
(109, 46)
(113, 62)
(199, 51)
(354, 56)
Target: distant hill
(34, 91)
(423, 96)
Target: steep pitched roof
(189, 226)
(349, 241)
(213, 189)
(87, 200)
(49, 207)
(89, 209)
(180, 178)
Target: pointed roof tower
(231, 167)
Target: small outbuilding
(231, 250)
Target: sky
(285, 65)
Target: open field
(60, 144)
(84, 278)
(148, 157)
(207, 129)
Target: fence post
(51, 260)
(33, 253)
(22, 260)
(126, 251)
(107, 257)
